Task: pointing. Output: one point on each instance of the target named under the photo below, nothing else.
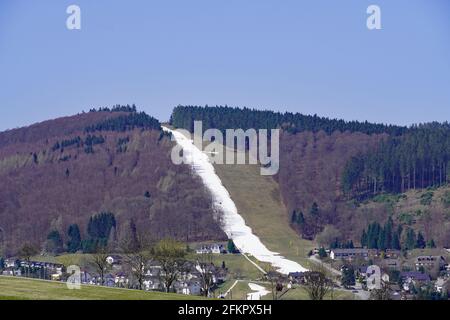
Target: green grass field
(259, 203)
(13, 288)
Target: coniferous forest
(224, 117)
(416, 160)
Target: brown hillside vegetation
(311, 166)
(128, 173)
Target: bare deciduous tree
(99, 262)
(26, 252)
(317, 283)
(136, 254)
(206, 268)
(171, 256)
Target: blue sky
(300, 56)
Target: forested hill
(325, 164)
(64, 176)
(224, 117)
(417, 159)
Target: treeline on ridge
(224, 117)
(126, 122)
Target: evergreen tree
(54, 243)
(421, 244)
(410, 239)
(348, 276)
(314, 210)
(300, 219)
(364, 239)
(322, 253)
(294, 217)
(231, 247)
(381, 239)
(431, 244)
(396, 241)
(388, 233)
(74, 241)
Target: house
(152, 284)
(188, 287)
(114, 259)
(297, 277)
(214, 249)
(415, 275)
(413, 278)
(349, 254)
(430, 262)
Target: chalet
(430, 262)
(114, 259)
(413, 278)
(349, 254)
(415, 275)
(214, 249)
(188, 287)
(297, 277)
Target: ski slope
(233, 224)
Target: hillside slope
(58, 173)
(14, 288)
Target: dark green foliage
(93, 140)
(421, 244)
(2, 263)
(378, 237)
(314, 210)
(294, 217)
(224, 117)
(396, 241)
(417, 159)
(74, 242)
(431, 244)
(410, 239)
(54, 243)
(67, 143)
(342, 245)
(322, 253)
(116, 108)
(364, 239)
(231, 247)
(127, 122)
(300, 219)
(98, 230)
(93, 245)
(122, 144)
(348, 276)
